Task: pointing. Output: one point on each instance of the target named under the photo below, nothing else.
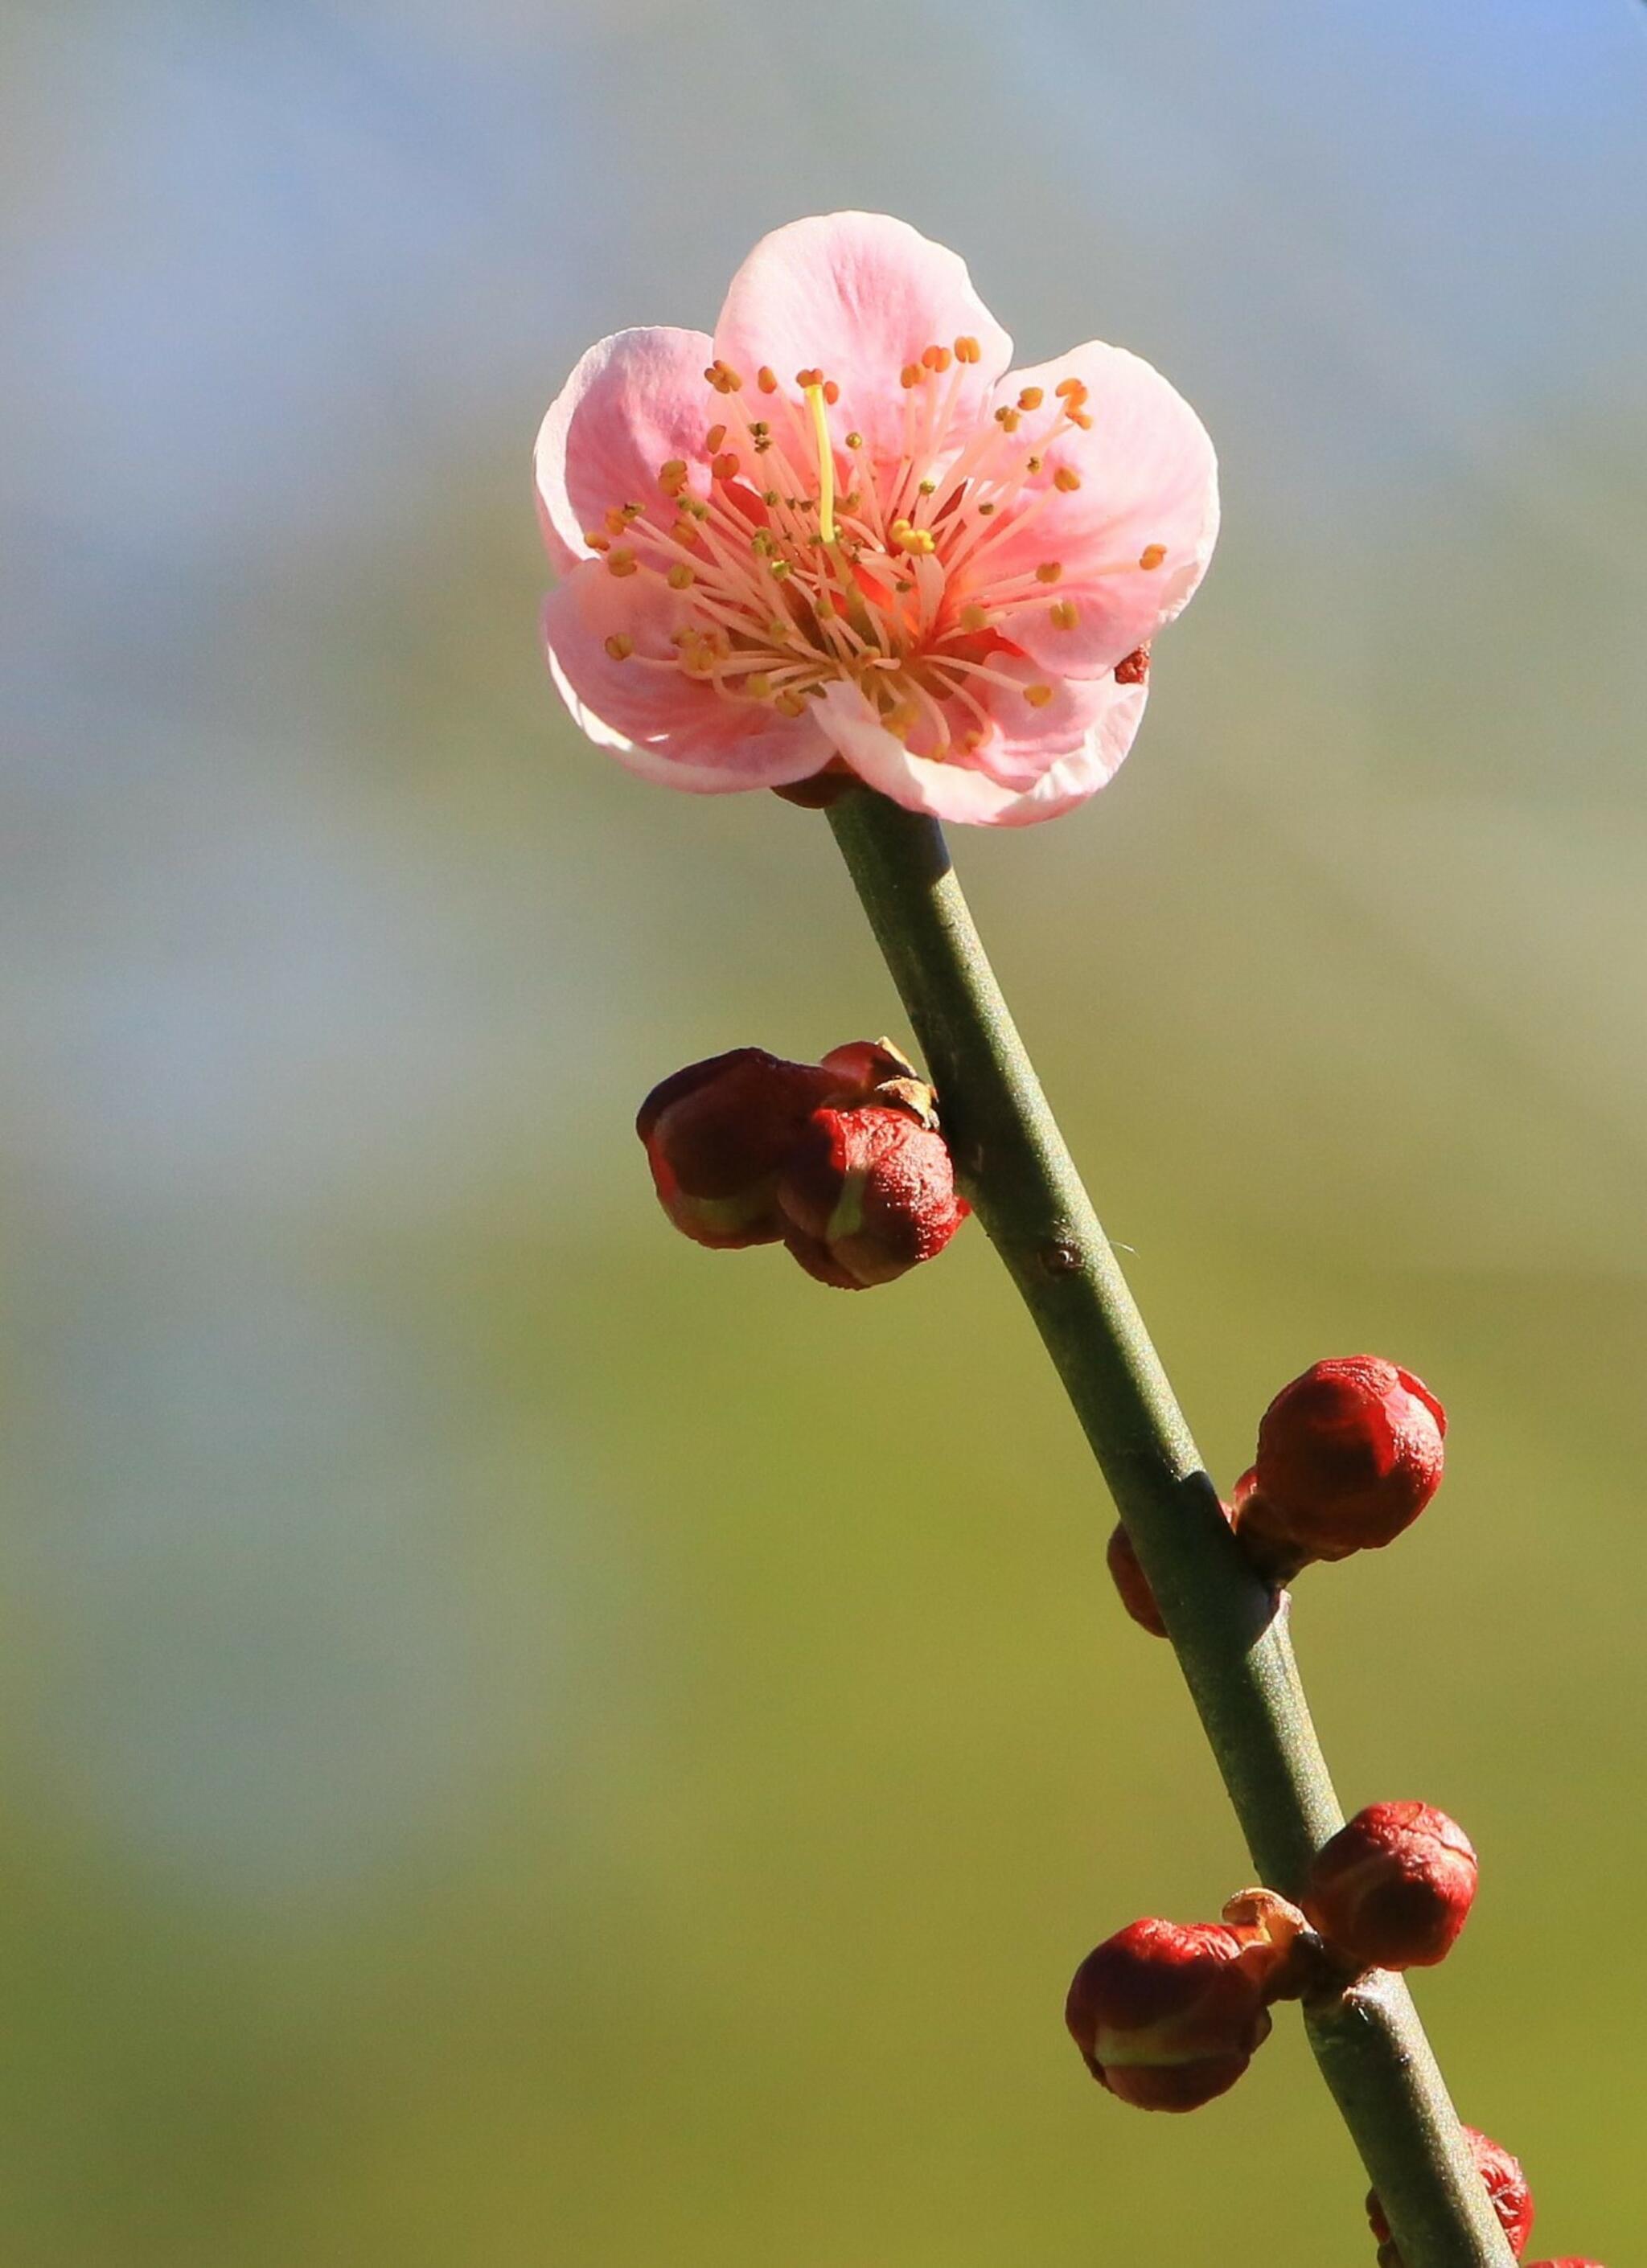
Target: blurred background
(527, 1741)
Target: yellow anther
(815, 392)
(792, 704)
(671, 474)
(902, 720)
(938, 358)
(1008, 420)
(616, 522)
(724, 466)
(910, 375)
(685, 531)
(1066, 480)
(760, 688)
(930, 487)
(967, 350)
(1049, 570)
(831, 391)
(984, 511)
(713, 437)
(680, 578)
(620, 645)
(779, 627)
(1081, 418)
(595, 541)
(905, 538)
(1037, 696)
(1031, 398)
(1151, 556)
(621, 561)
(972, 620)
(766, 379)
(854, 441)
(1034, 464)
(805, 377)
(1070, 389)
(973, 741)
(1063, 614)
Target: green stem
(1232, 1642)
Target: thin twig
(1232, 1643)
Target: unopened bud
(1169, 2014)
(1129, 1579)
(1506, 2186)
(716, 1135)
(1394, 1888)
(867, 1193)
(1348, 1455)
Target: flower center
(811, 560)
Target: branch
(1231, 1636)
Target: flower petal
(860, 296)
(957, 789)
(662, 724)
(634, 401)
(1149, 488)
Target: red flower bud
(1132, 1584)
(868, 1194)
(1347, 1456)
(1394, 1888)
(716, 1134)
(1506, 2185)
(1169, 2014)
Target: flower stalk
(1229, 1631)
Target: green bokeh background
(525, 1742)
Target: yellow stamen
(1067, 479)
(1037, 696)
(1151, 556)
(905, 538)
(974, 619)
(1049, 570)
(620, 646)
(1064, 615)
(826, 464)
(681, 578)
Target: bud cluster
(842, 1162)
(1348, 1457)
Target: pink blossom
(841, 536)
